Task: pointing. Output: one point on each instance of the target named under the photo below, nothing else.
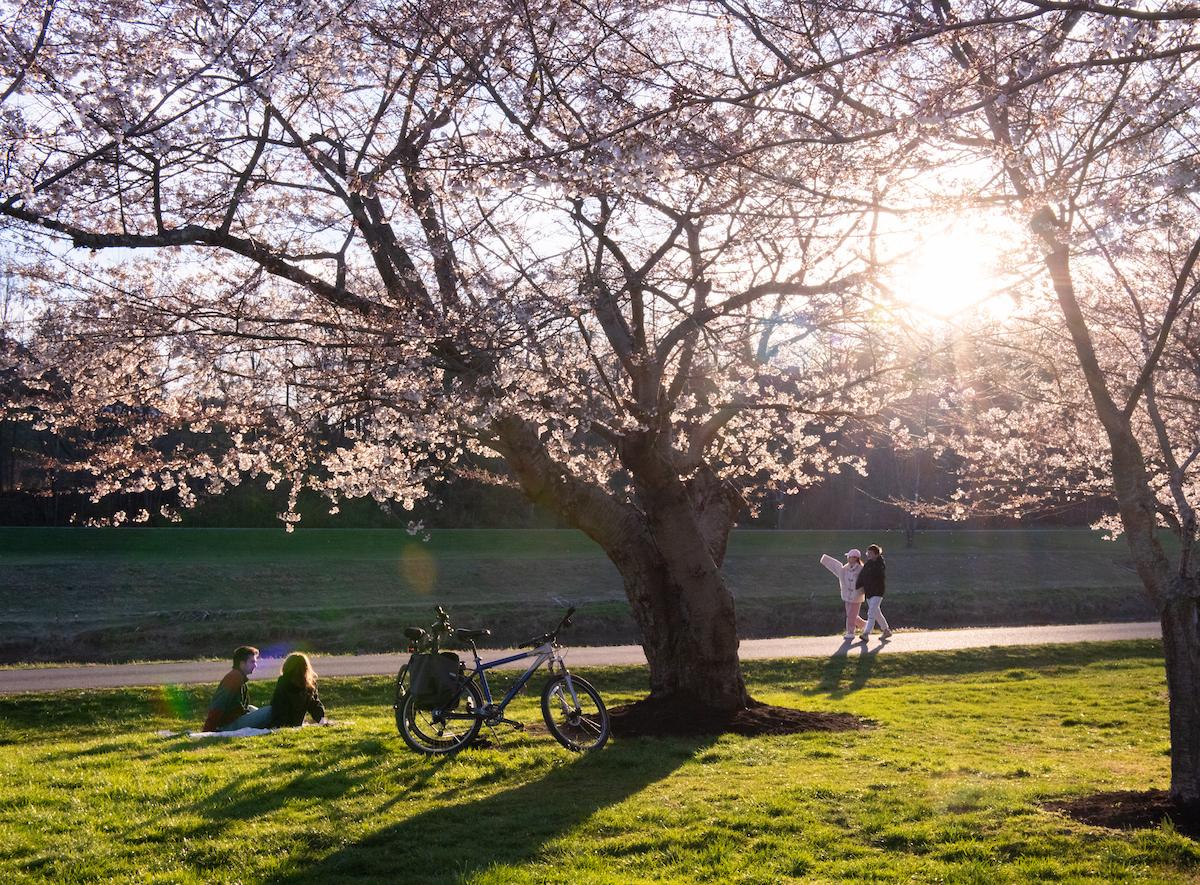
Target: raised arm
(832, 564)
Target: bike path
(91, 676)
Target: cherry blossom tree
(1085, 115)
(1078, 121)
(359, 246)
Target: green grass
(96, 594)
(947, 786)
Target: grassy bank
(947, 786)
(80, 594)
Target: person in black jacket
(296, 694)
(873, 579)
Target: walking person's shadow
(838, 668)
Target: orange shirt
(229, 702)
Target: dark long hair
(298, 669)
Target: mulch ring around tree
(676, 717)
(1129, 810)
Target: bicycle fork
(566, 674)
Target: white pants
(852, 619)
(873, 615)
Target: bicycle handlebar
(553, 635)
(444, 628)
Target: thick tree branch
(196, 235)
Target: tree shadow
(250, 795)
(835, 671)
(122, 745)
(460, 838)
(245, 797)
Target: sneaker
(866, 637)
(886, 634)
(847, 636)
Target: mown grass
(946, 786)
(96, 594)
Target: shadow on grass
(331, 773)
(247, 797)
(462, 837)
(815, 676)
(840, 667)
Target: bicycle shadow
(835, 669)
(460, 838)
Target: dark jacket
(873, 577)
(229, 702)
(291, 701)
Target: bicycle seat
(471, 635)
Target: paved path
(182, 672)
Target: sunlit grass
(946, 785)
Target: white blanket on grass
(248, 732)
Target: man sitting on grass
(230, 708)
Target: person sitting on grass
(230, 709)
(296, 694)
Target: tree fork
(679, 599)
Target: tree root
(1130, 810)
(681, 716)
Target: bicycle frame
(543, 654)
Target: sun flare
(951, 272)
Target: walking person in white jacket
(847, 575)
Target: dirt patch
(655, 717)
(1129, 810)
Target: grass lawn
(96, 594)
(946, 787)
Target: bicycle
(572, 709)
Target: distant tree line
(34, 491)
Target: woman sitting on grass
(296, 694)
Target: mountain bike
(572, 709)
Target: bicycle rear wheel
(400, 695)
(578, 727)
(436, 733)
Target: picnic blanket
(249, 732)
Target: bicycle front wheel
(436, 733)
(578, 726)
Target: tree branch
(196, 235)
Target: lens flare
(173, 702)
(418, 568)
(275, 651)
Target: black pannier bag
(434, 682)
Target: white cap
(855, 552)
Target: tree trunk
(1175, 597)
(684, 610)
(1181, 643)
(667, 553)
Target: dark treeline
(34, 492)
